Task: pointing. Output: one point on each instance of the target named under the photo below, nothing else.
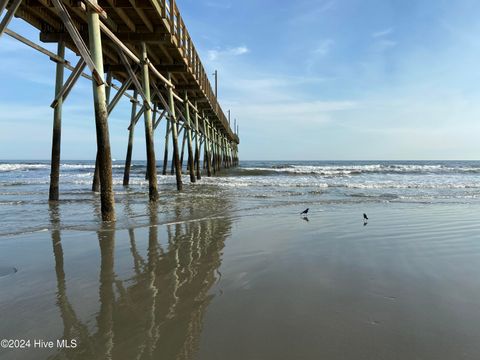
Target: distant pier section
(140, 49)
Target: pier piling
(176, 158)
(101, 120)
(131, 132)
(151, 163)
(165, 154)
(191, 167)
(57, 128)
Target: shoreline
(327, 286)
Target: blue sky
(332, 79)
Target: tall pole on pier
(57, 129)
(216, 83)
(101, 119)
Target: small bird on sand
(365, 217)
(304, 212)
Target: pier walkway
(145, 47)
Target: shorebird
(304, 212)
(365, 217)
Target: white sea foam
(346, 170)
(22, 167)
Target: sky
(305, 79)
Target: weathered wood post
(151, 163)
(212, 149)
(184, 140)
(154, 119)
(9, 16)
(207, 147)
(225, 152)
(230, 154)
(101, 119)
(224, 148)
(178, 168)
(197, 147)
(96, 174)
(189, 140)
(215, 151)
(57, 128)
(3, 5)
(167, 138)
(131, 132)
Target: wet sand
(258, 283)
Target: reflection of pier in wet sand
(158, 311)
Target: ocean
(229, 269)
(24, 187)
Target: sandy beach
(258, 283)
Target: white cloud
(312, 12)
(383, 45)
(235, 51)
(324, 47)
(382, 33)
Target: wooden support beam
(178, 169)
(101, 119)
(71, 81)
(159, 119)
(93, 6)
(165, 153)
(130, 54)
(9, 15)
(151, 163)
(184, 87)
(96, 174)
(122, 15)
(182, 147)
(142, 14)
(154, 116)
(207, 147)
(77, 39)
(156, 37)
(137, 117)
(27, 42)
(118, 95)
(197, 146)
(54, 57)
(53, 194)
(134, 79)
(189, 138)
(128, 160)
(3, 5)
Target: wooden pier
(145, 47)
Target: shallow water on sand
(221, 273)
(262, 284)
